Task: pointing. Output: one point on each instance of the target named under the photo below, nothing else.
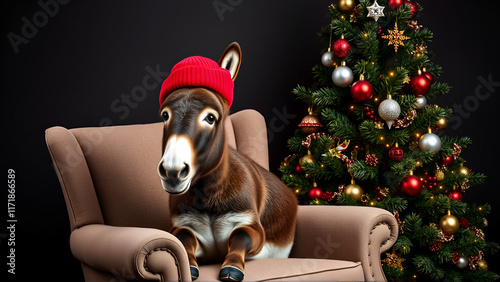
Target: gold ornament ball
(346, 5)
(449, 224)
(439, 175)
(354, 191)
(464, 170)
(442, 123)
(309, 158)
(482, 264)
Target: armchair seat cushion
(292, 269)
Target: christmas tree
(373, 138)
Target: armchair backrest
(108, 174)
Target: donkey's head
(195, 99)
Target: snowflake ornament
(375, 11)
(396, 37)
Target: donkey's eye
(165, 116)
(210, 119)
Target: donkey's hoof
(194, 272)
(230, 273)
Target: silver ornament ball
(431, 142)
(342, 76)
(327, 59)
(421, 103)
(389, 110)
(463, 262)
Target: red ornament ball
(314, 193)
(429, 76)
(341, 48)
(413, 7)
(396, 154)
(420, 85)
(455, 195)
(394, 4)
(411, 186)
(361, 91)
(448, 161)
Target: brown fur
(227, 181)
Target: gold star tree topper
(396, 37)
(375, 11)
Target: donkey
(223, 206)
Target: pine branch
(335, 166)
(345, 200)
(476, 215)
(435, 70)
(339, 124)
(438, 89)
(303, 94)
(328, 96)
(368, 43)
(342, 26)
(324, 33)
(406, 103)
(295, 144)
(318, 172)
(447, 143)
(480, 275)
(402, 14)
(393, 83)
(420, 234)
(436, 207)
(393, 204)
(370, 133)
(425, 265)
(476, 179)
(322, 76)
(403, 245)
(421, 35)
(453, 275)
(362, 171)
(296, 181)
(428, 118)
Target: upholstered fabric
(119, 212)
(329, 230)
(292, 269)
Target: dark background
(84, 56)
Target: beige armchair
(119, 212)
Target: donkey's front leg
(244, 240)
(190, 242)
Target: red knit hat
(199, 71)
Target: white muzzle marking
(176, 168)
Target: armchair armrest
(346, 233)
(131, 252)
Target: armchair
(119, 214)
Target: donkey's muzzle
(173, 174)
(176, 168)
(174, 180)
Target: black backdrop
(76, 63)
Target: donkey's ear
(231, 59)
